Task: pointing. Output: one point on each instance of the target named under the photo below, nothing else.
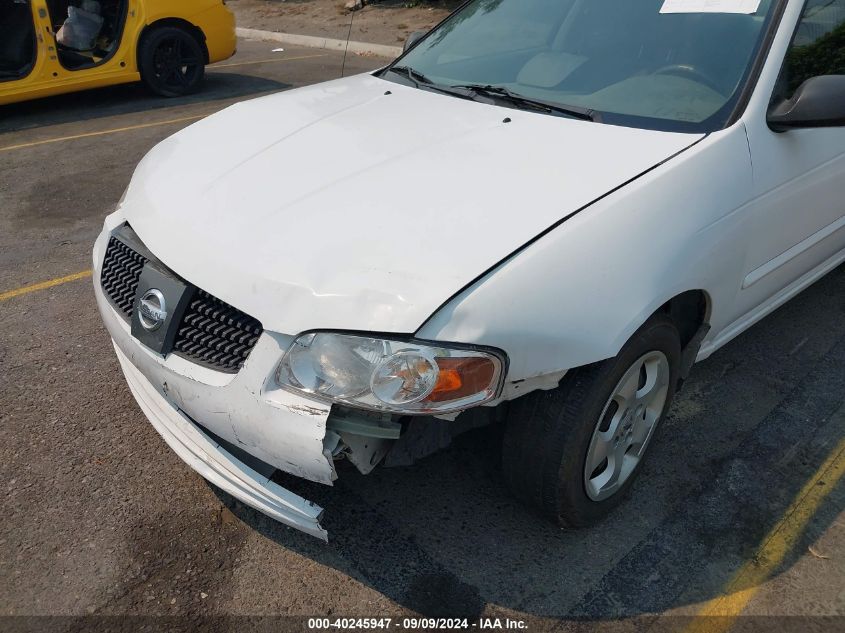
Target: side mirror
(818, 102)
(413, 38)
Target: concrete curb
(311, 41)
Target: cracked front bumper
(246, 410)
(216, 464)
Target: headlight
(390, 375)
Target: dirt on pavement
(387, 22)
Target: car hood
(361, 204)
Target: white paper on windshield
(710, 6)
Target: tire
(171, 61)
(551, 434)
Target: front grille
(211, 333)
(121, 271)
(215, 334)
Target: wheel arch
(192, 29)
(690, 311)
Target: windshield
(660, 64)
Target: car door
(105, 54)
(19, 46)
(797, 213)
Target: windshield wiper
(414, 75)
(421, 81)
(518, 100)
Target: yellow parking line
(265, 61)
(130, 128)
(44, 285)
(719, 615)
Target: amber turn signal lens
(461, 377)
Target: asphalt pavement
(740, 509)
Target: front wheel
(574, 451)
(171, 61)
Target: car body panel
(49, 77)
(398, 247)
(665, 233)
(798, 188)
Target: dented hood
(361, 204)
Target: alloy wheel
(174, 64)
(626, 425)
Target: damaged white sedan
(541, 215)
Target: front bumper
(247, 410)
(216, 464)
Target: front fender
(575, 295)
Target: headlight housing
(408, 377)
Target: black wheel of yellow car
(172, 61)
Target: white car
(541, 215)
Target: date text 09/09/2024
(415, 623)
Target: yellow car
(49, 47)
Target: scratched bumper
(245, 409)
(216, 464)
